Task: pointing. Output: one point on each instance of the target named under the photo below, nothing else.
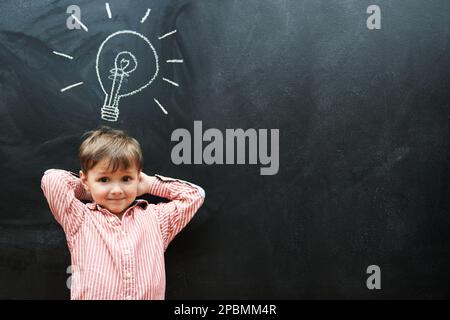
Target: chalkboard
(358, 91)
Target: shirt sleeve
(186, 198)
(62, 190)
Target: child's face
(113, 191)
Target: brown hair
(115, 145)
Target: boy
(116, 242)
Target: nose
(116, 189)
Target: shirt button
(128, 274)
(128, 297)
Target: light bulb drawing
(122, 72)
(125, 63)
(119, 74)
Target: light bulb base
(110, 113)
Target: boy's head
(111, 163)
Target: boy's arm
(173, 216)
(62, 190)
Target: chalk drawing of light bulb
(116, 67)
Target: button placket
(123, 229)
(128, 267)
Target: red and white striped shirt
(113, 258)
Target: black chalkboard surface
(361, 108)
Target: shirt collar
(138, 202)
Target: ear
(83, 179)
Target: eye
(103, 179)
(127, 179)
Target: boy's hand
(144, 184)
(87, 196)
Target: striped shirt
(116, 258)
